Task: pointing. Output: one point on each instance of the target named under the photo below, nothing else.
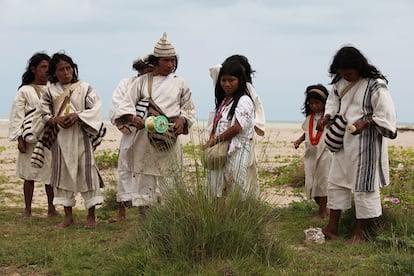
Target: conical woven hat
(164, 48)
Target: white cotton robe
(26, 99)
(362, 164)
(239, 154)
(317, 162)
(150, 166)
(73, 163)
(126, 191)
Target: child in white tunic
(317, 158)
(259, 114)
(234, 122)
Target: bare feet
(90, 221)
(67, 222)
(318, 218)
(26, 213)
(53, 213)
(355, 239)
(143, 210)
(116, 219)
(91, 225)
(329, 234)
(121, 213)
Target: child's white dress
(317, 161)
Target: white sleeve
(244, 112)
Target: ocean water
(270, 124)
(204, 123)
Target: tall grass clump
(395, 227)
(191, 227)
(401, 174)
(395, 237)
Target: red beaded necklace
(314, 140)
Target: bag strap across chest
(38, 89)
(343, 93)
(60, 102)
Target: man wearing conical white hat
(155, 165)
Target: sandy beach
(277, 142)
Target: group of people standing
(53, 100)
(58, 100)
(360, 167)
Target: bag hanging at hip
(160, 141)
(215, 157)
(38, 155)
(50, 136)
(96, 139)
(27, 133)
(334, 137)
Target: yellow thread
(67, 109)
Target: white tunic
(362, 163)
(239, 157)
(175, 99)
(126, 191)
(317, 161)
(119, 95)
(25, 100)
(73, 162)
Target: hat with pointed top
(164, 48)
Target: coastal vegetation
(192, 233)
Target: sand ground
(276, 143)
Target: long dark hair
(154, 61)
(312, 92)
(349, 57)
(249, 72)
(56, 58)
(28, 76)
(235, 69)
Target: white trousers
(67, 198)
(367, 204)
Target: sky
(289, 43)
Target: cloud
(289, 43)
